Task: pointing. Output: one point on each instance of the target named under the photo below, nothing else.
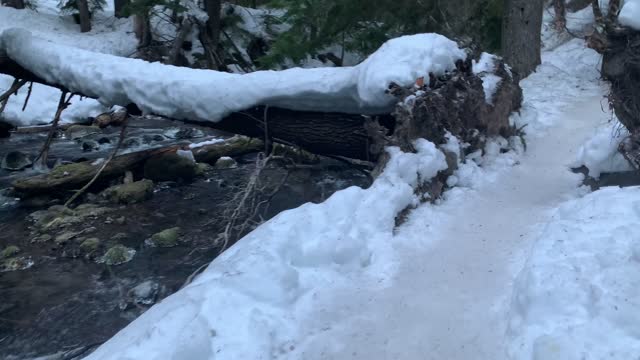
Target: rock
(89, 246)
(145, 293)
(452, 162)
(121, 220)
(119, 236)
(131, 193)
(185, 133)
(104, 140)
(90, 145)
(9, 251)
(16, 160)
(148, 138)
(226, 163)
(65, 237)
(16, 263)
(75, 132)
(131, 142)
(166, 238)
(170, 167)
(5, 129)
(118, 254)
(42, 238)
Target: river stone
(15, 263)
(5, 129)
(131, 193)
(166, 238)
(145, 293)
(90, 145)
(16, 160)
(170, 167)
(226, 162)
(89, 246)
(118, 254)
(75, 132)
(131, 142)
(9, 251)
(65, 237)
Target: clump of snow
(579, 294)
(630, 14)
(270, 279)
(209, 95)
(485, 68)
(600, 153)
(205, 143)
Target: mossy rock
(166, 238)
(226, 162)
(73, 169)
(90, 246)
(75, 132)
(131, 193)
(118, 254)
(9, 251)
(170, 167)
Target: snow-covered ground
(108, 36)
(630, 14)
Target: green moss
(166, 238)
(9, 251)
(90, 246)
(118, 254)
(74, 169)
(131, 193)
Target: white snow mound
(209, 95)
(630, 14)
(578, 297)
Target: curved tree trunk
(521, 35)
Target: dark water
(64, 302)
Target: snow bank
(600, 153)
(248, 302)
(209, 95)
(630, 14)
(579, 295)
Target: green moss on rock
(131, 193)
(9, 251)
(166, 238)
(118, 254)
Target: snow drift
(206, 95)
(630, 14)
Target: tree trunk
(521, 35)
(614, 11)
(118, 7)
(597, 12)
(85, 19)
(560, 8)
(212, 38)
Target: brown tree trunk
(560, 8)
(521, 29)
(597, 12)
(85, 19)
(614, 11)
(212, 37)
(118, 7)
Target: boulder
(116, 255)
(16, 160)
(75, 132)
(166, 238)
(131, 193)
(9, 251)
(170, 167)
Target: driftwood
(236, 146)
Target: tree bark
(213, 28)
(85, 19)
(560, 8)
(597, 12)
(521, 42)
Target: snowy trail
(451, 300)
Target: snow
(630, 14)
(600, 153)
(205, 143)
(485, 67)
(209, 95)
(579, 296)
(271, 278)
(108, 36)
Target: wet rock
(170, 167)
(90, 145)
(226, 163)
(118, 254)
(184, 133)
(145, 293)
(104, 140)
(131, 142)
(75, 132)
(5, 129)
(16, 160)
(131, 193)
(9, 251)
(149, 138)
(119, 236)
(65, 237)
(15, 264)
(166, 238)
(42, 238)
(89, 247)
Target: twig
(63, 103)
(15, 86)
(26, 101)
(104, 165)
